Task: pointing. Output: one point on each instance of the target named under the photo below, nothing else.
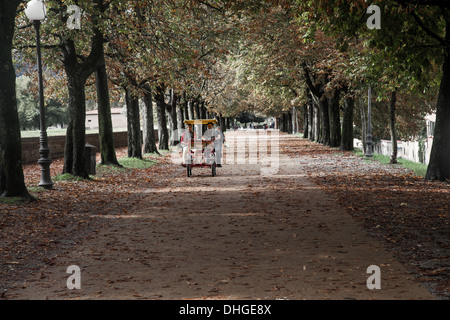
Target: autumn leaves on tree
(308, 62)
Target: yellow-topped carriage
(199, 151)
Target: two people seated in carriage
(213, 136)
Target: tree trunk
(321, 121)
(316, 121)
(133, 125)
(77, 74)
(11, 171)
(149, 129)
(347, 124)
(335, 119)
(186, 111)
(311, 118)
(363, 124)
(172, 115)
(286, 122)
(439, 165)
(289, 122)
(105, 128)
(305, 121)
(222, 123)
(180, 115)
(290, 117)
(203, 110)
(295, 128)
(324, 137)
(197, 110)
(191, 110)
(68, 147)
(392, 127)
(74, 155)
(162, 123)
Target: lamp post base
(46, 181)
(369, 147)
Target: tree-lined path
(305, 222)
(239, 235)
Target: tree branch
(309, 83)
(426, 29)
(439, 3)
(25, 26)
(210, 6)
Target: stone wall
(30, 146)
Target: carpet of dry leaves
(408, 213)
(32, 234)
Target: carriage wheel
(213, 169)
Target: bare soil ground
(157, 234)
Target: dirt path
(240, 235)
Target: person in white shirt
(218, 145)
(186, 138)
(216, 138)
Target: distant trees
(27, 104)
(247, 117)
(28, 109)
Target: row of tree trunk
(172, 109)
(324, 119)
(322, 113)
(171, 115)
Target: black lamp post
(369, 142)
(36, 12)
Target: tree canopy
(230, 57)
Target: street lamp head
(35, 10)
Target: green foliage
(56, 113)
(66, 177)
(419, 169)
(27, 104)
(14, 200)
(247, 56)
(399, 55)
(103, 169)
(135, 163)
(246, 117)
